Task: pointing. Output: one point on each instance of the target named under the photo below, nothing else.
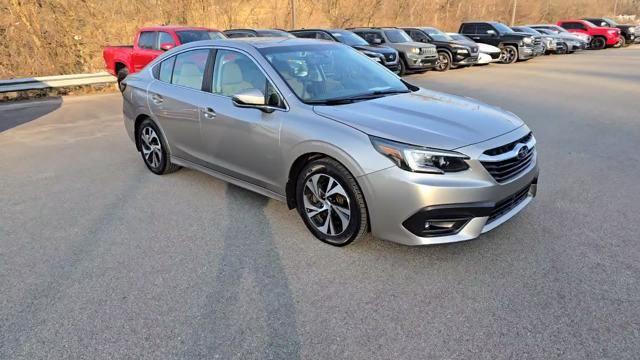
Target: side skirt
(230, 179)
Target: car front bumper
(397, 199)
(418, 63)
(526, 52)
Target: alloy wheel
(326, 204)
(508, 55)
(598, 43)
(443, 62)
(151, 147)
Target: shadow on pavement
(16, 114)
(249, 259)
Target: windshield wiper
(351, 99)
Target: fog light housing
(444, 220)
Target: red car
(601, 37)
(149, 43)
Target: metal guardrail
(57, 81)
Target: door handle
(208, 113)
(157, 99)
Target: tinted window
(163, 38)
(502, 28)
(349, 38)
(397, 36)
(483, 28)
(147, 40)
(323, 36)
(305, 34)
(235, 72)
(187, 36)
(468, 29)
(166, 69)
(573, 25)
(189, 68)
(418, 35)
(437, 34)
(239, 34)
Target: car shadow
(249, 256)
(16, 114)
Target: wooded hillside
(46, 37)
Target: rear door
(145, 50)
(176, 98)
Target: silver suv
(346, 142)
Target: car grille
(429, 51)
(508, 169)
(537, 41)
(506, 205)
(508, 147)
(390, 57)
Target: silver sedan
(350, 145)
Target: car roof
(259, 42)
(175, 28)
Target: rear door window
(189, 68)
(147, 40)
(468, 29)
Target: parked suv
(628, 32)
(601, 37)
(515, 46)
(451, 53)
(347, 143)
(414, 56)
(243, 33)
(383, 54)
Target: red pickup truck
(601, 37)
(149, 43)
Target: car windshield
(437, 35)
(397, 36)
(610, 21)
(274, 33)
(332, 74)
(349, 38)
(527, 30)
(187, 36)
(502, 28)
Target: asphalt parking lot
(99, 258)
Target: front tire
(153, 149)
(509, 54)
(122, 74)
(403, 68)
(598, 43)
(444, 61)
(331, 203)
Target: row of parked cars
(351, 146)
(403, 49)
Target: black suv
(451, 52)
(414, 56)
(515, 46)
(628, 32)
(382, 54)
(244, 33)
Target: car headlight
(420, 159)
(528, 40)
(415, 50)
(632, 30)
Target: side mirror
(167, 46)
(604, 24)
(492, 32)
(252, 98)
(376, 41)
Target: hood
(425, 118)
(375, 49)
(486, 48)
(414, 44)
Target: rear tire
(154, 150)
(403, 68)
(509, 54)
(122, 74)
(621, 43)
(331, 203)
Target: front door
(242, 142)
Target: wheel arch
(136, 128)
